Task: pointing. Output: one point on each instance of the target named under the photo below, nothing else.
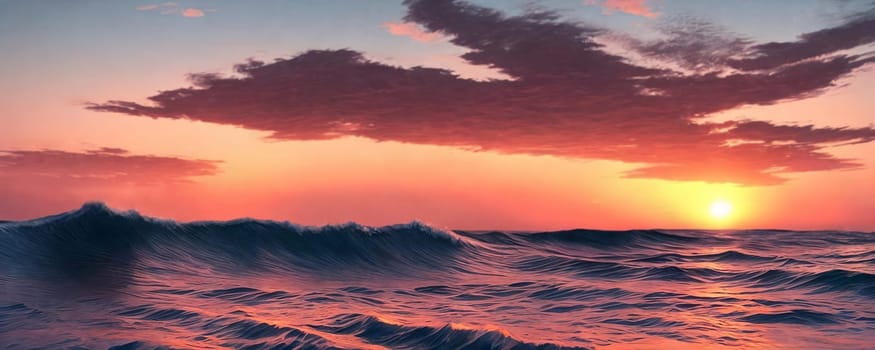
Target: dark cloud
(568, 97)
(534, 46)
(805, 134)
(101, 166)
(860, 30)
(692, 43)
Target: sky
(513, 115)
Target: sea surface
(96, 278)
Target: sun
(720, 209)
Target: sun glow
(720, 209)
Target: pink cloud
(633, 7)
(172, 8)
(412, 31)
(35, 182)
(104, 166)
(192, 12)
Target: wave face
(97, 278)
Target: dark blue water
(95, 278)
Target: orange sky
(397, 179)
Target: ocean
(95, 278)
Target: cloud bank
(100, 166)
(568, 96)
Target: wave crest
(450, 336)
(98, 236)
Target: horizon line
(91, 205)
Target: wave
(98, 236)
(251, 334)
(451, 336)
(836, 280)
(13, 314)
(260, 284)
(612, 239)
(610, 270)
(95, 243)
(237, 332)
(803, 317)
(729, 255)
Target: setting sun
(720, 209)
